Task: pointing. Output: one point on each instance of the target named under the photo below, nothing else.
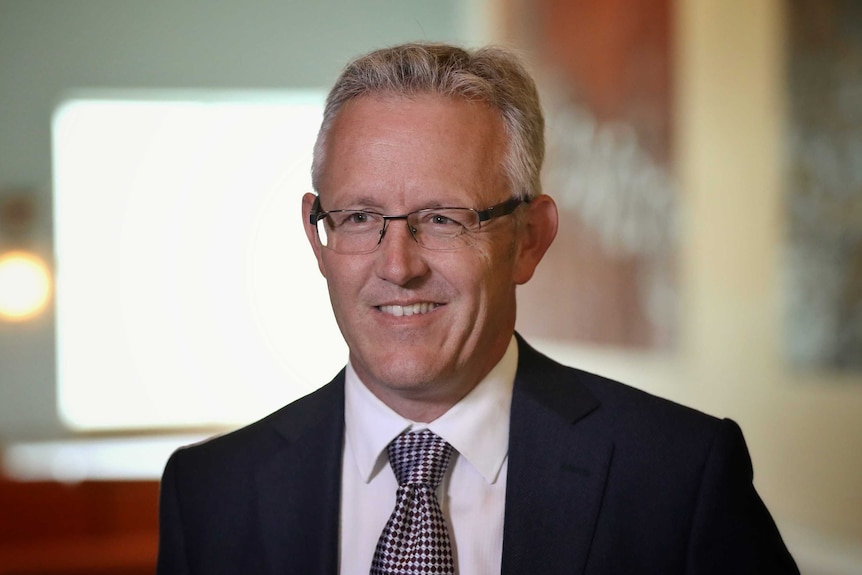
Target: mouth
(410, 309)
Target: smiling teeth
(416, 308)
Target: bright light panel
(187, 294)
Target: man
(428, 215)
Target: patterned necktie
(415, 540)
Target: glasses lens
(350, 231)
(441, 229)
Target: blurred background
(155, 286)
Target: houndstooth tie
(415, 540)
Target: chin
(406, 374)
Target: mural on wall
(823, 265)
(604, 69)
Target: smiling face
(423, 327)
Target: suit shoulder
(630, 402)
(258, 439)
(611, 405)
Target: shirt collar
(477, 426)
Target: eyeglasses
(361, 231)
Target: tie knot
(419, 458)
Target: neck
(418, 406)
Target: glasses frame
(495, 211)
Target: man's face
(423, 326)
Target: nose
(399, 258)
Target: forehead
(412, 149)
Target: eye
(355, 220)
(441, 220)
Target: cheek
(498, 275)
(342, 277)
(489, 251)
(494, 262)
(480, 275)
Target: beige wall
(804, 430)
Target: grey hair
(493, 75)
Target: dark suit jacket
(603, 479)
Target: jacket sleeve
(732, 531)
(172, 556)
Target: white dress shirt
(472, 493)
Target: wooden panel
(89, 528)
(610, 276)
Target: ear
(538, 230)
(310, 231)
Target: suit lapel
(557, 471)
(556, 477)
(299, 486)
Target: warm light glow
(25, 285)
